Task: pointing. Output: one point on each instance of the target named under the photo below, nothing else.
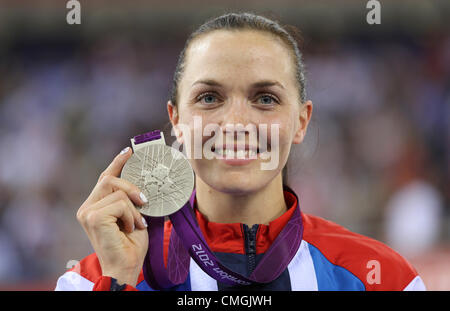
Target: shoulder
(344, 256)
(82, 276)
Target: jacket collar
(229, 237)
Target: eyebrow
(259, 84)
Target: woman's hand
(116, 229)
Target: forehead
(241, 55)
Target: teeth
(229, 153)
(240, 154)
(252, 154)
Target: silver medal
(164, 175)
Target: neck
(258, 207)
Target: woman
(235, 69)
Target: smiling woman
(240, 76)
(237, 69)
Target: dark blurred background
(376, 159)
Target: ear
(304, 118)
(173, 113)
(174, 118)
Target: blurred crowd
(376, 158)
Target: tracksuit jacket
(330, 257)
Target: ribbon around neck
(187, 241)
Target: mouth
(241, 152)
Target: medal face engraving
(164, 175)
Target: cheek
(190, 129)
(188, 121)
(286, 130)
(285, 126)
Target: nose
(237, 119)
(236, 112)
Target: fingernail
(144, 222)
(125, 150)
(134, 227)
(143, 197)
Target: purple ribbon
(187, 239)
(142, 138)
(155, 272)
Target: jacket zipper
(250, 246)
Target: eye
(207, 98)
(267, 99)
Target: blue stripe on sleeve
(331, 277)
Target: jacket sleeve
(415, 285)
(106, 283)
(87, 276)
(72, 281)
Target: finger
(121, 213)
(93, 219)
(116, 166)
(117, 196)
(109, 184)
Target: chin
(239, 183)
(233, 179)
